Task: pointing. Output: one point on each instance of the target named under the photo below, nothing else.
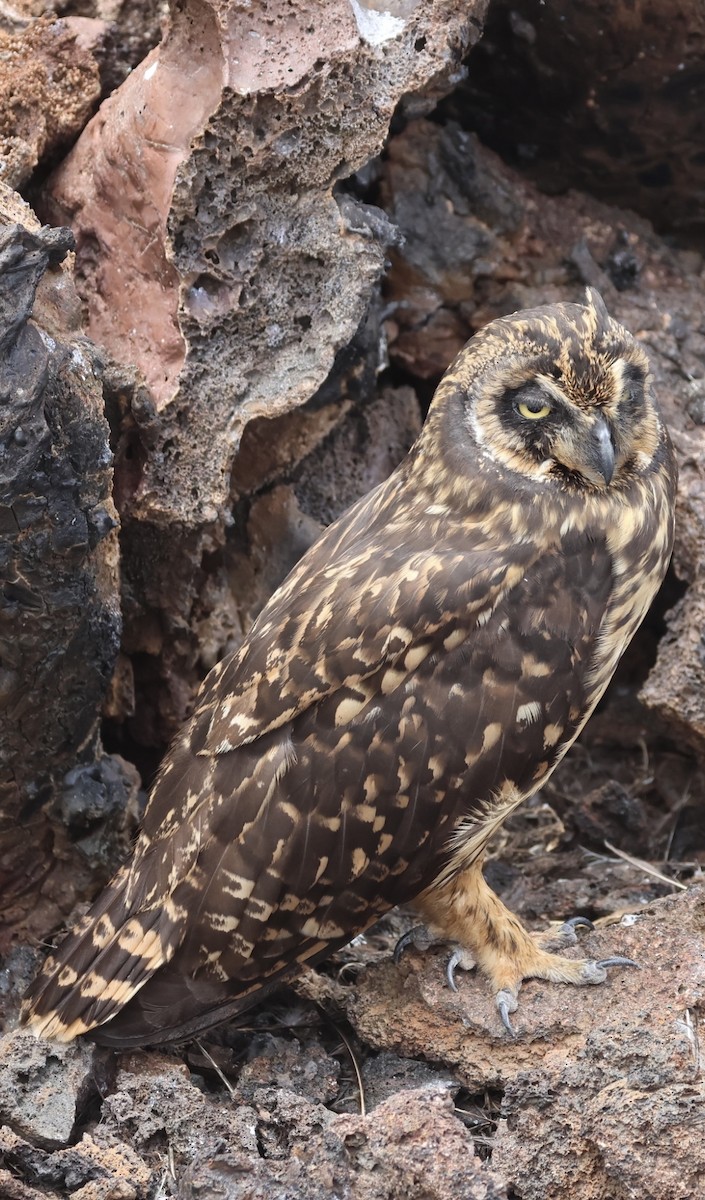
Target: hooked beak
(602, 449)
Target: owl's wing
(322, 824)
(337, 620)
(341, 617)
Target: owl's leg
(466, 911)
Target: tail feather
(103, 963)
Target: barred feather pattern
(420, 672)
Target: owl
(419, 674)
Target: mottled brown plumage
(420, 672)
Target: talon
(567, 935)
(407, 939)
(596, 972)
(453, 963)
(506, 1004)
(578, 923)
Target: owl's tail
(107, 958)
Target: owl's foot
(583, 971)
(561, 936)
(467, 913)
(420, 937)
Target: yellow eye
(533, 414)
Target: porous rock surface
(211, 250)
(216, 253)
(44, 1086)
(61, 801)
(267, 1138)
(599, 1084)
(49, 87)
(588, 1099)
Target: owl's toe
(459, 958)
(507, 1003)
(419, 937)
(596, 971)
(565, 935)
(577, 972)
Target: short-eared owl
(421, 672)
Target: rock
(156, 1102)
(269, 1136)
(304, 1070)
(602, 98)
(598, 1085)
(48, 89)
(238, 291)
(413, 1145)
(87, 1171)
(45, 1086)
(60, 616)
(169, 246)
(387, 1075)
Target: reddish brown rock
(215, 253)
(45, 1088)
(599, 1083)
(86, 1171)
(268, 1142)
(211, 251)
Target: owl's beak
(602, 449)
(587, 448)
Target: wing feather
(339, 616)
(332, 649)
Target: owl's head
(558, 395)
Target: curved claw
(506, 1004)
(451, 967)
(596, 971)
(407, 939)
(578, 923)
(567, 934)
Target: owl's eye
(533, 409)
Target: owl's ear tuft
(594, 301)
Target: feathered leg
(465, 911)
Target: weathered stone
(211, 251)
(59, 604)
(216, 254)
(583, 1064)
(45, 1086)
(305, 1070)
(87, 1171)
(156, 1102)
(605, 98)
(387, 1075)
(48, 89)
(412, 1145)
